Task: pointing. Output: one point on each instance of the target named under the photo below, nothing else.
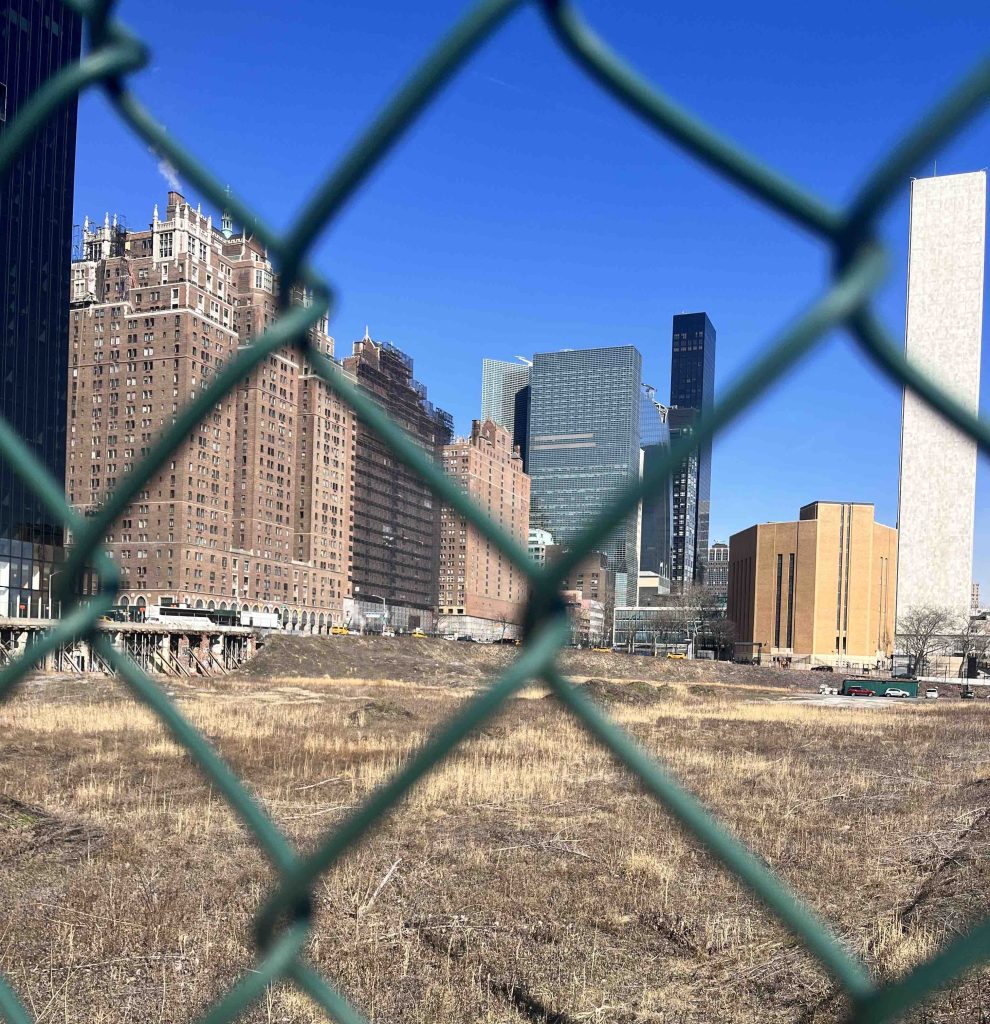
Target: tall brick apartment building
(479, 588)
(254, 510)
(396, 518)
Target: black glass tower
(520, 424)
(37, 39)
(692, 392)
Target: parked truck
(261, 620)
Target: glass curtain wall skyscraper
(654, 438)
(692, 393)
(505, 399)
(584, 447)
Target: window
(790, 601)
(776, 626)
(165, 244)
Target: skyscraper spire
(227, 223)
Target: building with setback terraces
(253, 511)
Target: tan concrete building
(475, 579)
(818, 590)
(253, 511)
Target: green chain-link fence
(859, 264)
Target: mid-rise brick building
(717, 572)
(477, 582)
(396, 517)
(253, 511)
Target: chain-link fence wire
(859, 264)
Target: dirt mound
(706, 692)
(30, 831)
(432, 662)
(372, 711)
(635, 691)
(402, 659)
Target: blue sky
(527, 212)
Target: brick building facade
(396, 517)
(475, 578)
(254, 509)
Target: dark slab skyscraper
(692, 392)
(37, 39)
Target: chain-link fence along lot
(283, 922)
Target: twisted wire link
(859, 264)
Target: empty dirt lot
(454, 663)
(528, 879)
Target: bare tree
(973, 640)
(923, 631)
(702, 615)
(605, 639)
(721, 634)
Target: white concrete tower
(943, 335)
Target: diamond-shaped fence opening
(859, 262)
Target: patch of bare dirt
(27, 830)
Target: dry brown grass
(533, 878)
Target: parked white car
(931, 693)
(895, 692)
